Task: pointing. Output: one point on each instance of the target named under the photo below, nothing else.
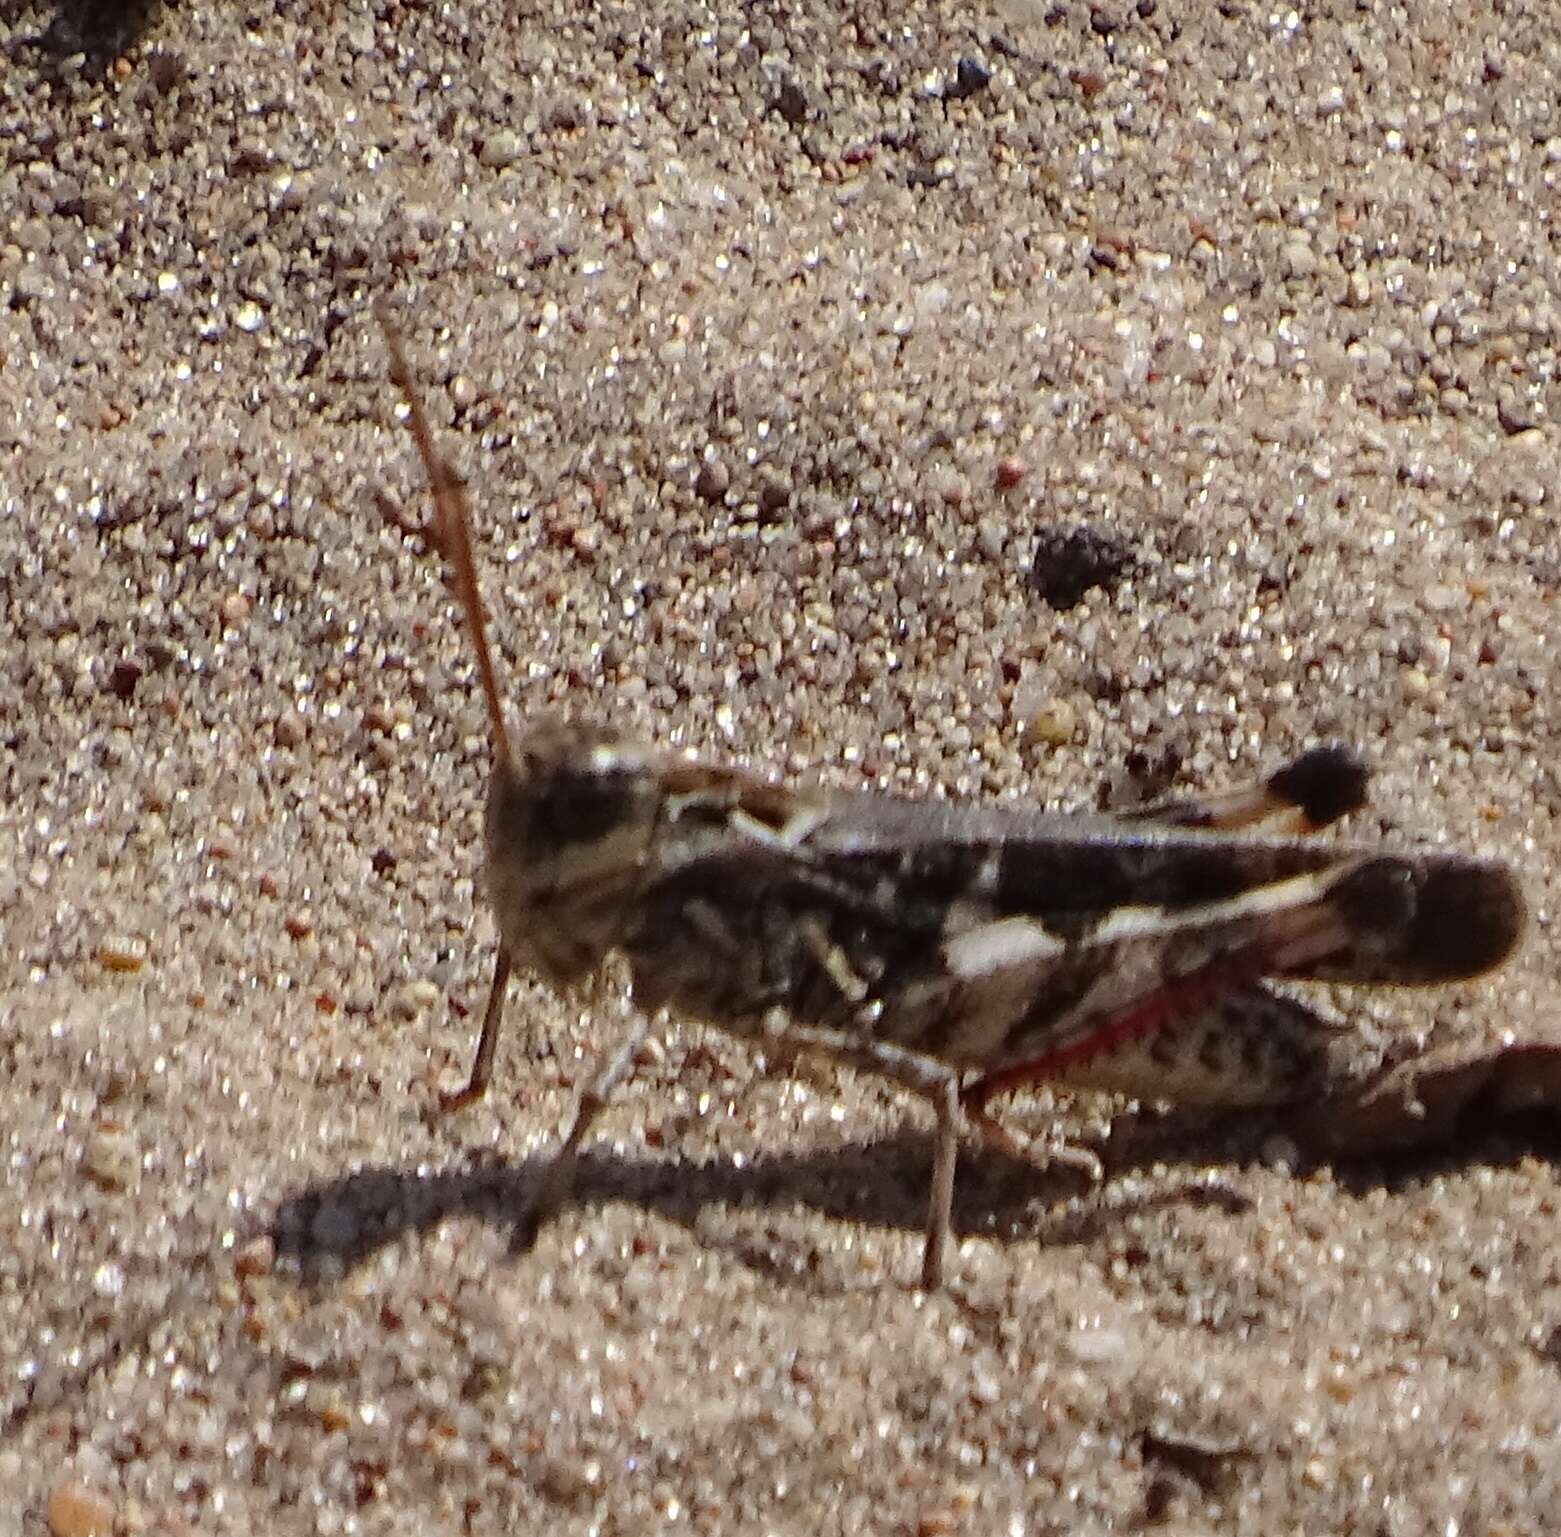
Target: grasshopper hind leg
(1195, 1041)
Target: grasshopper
(961, 951)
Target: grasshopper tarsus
(453, 1101)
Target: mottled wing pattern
(995, 941)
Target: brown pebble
(289, 729)
(774, 495)
(299, 925)
(110, 1157)
(255, 1258)
(334, 1417)
(123, 678)
(713, 481)
(1053, 723)
(1010, 472)
(122, 953)
(79, 1510)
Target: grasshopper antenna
(449, 532)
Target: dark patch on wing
(1424, 919)
(1324, 784)
(1468, 918)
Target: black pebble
(1069, 561)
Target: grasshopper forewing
(961, 951)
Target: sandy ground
(772, 342)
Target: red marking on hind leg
(1175, 1000)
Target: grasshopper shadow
(341, 1223)
(100, 31)
(344, 1222)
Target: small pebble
(791, 103)
(1054, 723)
(1340, 1389)
(79, 1510)
(416, 997)
(1069, 560)
(110, 1158)
(332, 1409)
(501, 149)
(713, 480)
(1300, 259)
(256, 1257)
(970, 78)
(122, 953)
(1010, 472)
(123, 678)
(774, 495)
(1096, 1346)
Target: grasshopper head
(570, 819)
